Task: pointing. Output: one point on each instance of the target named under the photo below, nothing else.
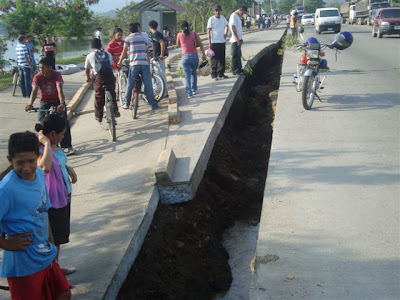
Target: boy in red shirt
(50, 82)
(115, 47)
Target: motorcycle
(308, 77)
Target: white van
(327, 19)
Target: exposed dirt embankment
(182, 256)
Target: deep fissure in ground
(182, 256)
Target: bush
(3, 49)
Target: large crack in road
(182, 256)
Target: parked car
(387, 21)
(307, 19)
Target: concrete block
(165, 166)
(172, 100)
(76, 99)
(173, 113)
(171, 86)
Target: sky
(107, 5)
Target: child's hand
(72, 174)
(18, 242)
(42, 138)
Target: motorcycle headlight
(312, 53)
(385, 24)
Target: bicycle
(15, 73)
(50, 111)
(110, 114)
(134, 103)
(122, 80)
(157, 83)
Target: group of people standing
(27, 66)
(40, 170)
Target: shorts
(60, 223)
(47, 284)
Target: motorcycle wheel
(308, 92)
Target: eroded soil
(182, 256)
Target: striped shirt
(137, 49)
(21, 51)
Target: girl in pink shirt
(190, 59)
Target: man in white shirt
(101, 62)
(98, 34)
(235, 25)
(217, 29)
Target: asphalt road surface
(330, 222)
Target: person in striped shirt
(25, 67)
(139, 64)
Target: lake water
(66, 48)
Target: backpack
(102, 63)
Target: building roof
(163, 5)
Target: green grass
(5, 81)
(73, 60)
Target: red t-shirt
(115, 49)
(48, 86)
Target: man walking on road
(159, 51)
(24, 66)
(235, 25)
(217, 29)
(139, 64)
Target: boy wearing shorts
(28, 256)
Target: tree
(312, 5)
(335, 3)
(268, 5)
(46, 17)
(3, 49)
(285, 6)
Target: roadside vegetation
(5, 81)
(73, 60)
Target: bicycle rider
(50, 83)
(139, 64)
(103, 77)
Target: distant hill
(110, 14)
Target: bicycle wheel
(135, 104)
(15, 82)
(122, 88)
(309, 89)
(110, 116)
(158, 87)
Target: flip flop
(68, 271)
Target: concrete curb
(173, 110)
(76, 99)
(133, 249)
(176, 192)
(165, 166)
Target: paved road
(13, 117)
(115, 197)
(330, 222)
